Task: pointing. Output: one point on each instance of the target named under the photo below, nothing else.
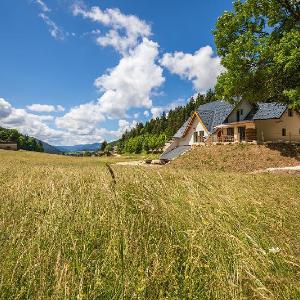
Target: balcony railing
(225, 138)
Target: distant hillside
(77, 148)
(50, 149)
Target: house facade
(222, 122)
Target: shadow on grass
(287, 150)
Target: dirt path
(295, 169)
(130, 163)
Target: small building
(6, 145)
(222, 122)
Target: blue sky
(83, 71)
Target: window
(198, 136)
(242, 112)
(201, 136)
(290, 112)
(230, 131)
(195, 136)
(283, 132)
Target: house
(8, 145)
(222, 122)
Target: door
(242, 133)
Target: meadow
(69, 230)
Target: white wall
(189, 138)
(245, 106)
(271, 130)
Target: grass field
(182, 231)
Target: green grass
(68, 232)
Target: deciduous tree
(259, 43)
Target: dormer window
(290, 112)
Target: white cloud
(124, 125)
(158, 110)
(146, 113)
(5, 108)
(41, 108)
(55, 31)
(60, 108)
(45, 108)
(134, 28)
(42, 5)
(82, 119)
(131, 82)
(45, 118)
(202, 67)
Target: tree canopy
(259, 44)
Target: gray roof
(175, 152)
(214, 113)
(266, 111)
(182, 129)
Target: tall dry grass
(68, 232)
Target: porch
(236, 132)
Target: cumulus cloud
(146, 113)
(82, 119)
(45, 108)
(134, 28)
(5, 108)
(131, 82)
(202, 67)
(124, 126)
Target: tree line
(152, 135)
(24, 142)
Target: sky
(76, 72)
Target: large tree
(259, 43)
